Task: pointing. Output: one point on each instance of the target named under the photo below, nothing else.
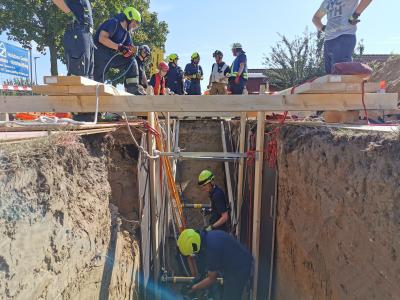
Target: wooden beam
(68, 80)
(332, 88)
(176, 103)
(153, 202)
(78, 90)
(228, 173)
(258, 179)
(341, 78)
(239, 197)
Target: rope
(140, 148)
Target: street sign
(14, 60)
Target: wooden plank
(68, 80)
(79, 90)
(228, 174)
(174, 103)
(258, 180)
(341, 78)
(336, 88)
(242, 143)
(341, 117)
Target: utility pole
(35, 59)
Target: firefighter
(157, 81)
(238, 75)
(222, 254)
(142, 57)
(219, 75)
(219, 219)
(115, 48)
(78, 40)
(194, 74)
(174, 80)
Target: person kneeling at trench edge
(222, 254)
(115, 48)
(219, 219)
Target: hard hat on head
(145, 49)
(195, 55)
(132, 14)
(189, 242)
(237, 46)
(205, 177)
(163, 66)
(218, 53)
(173, 57)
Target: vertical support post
(153, 202)
(242, 142)
(257, 196)
(228, 173)
(168, 132)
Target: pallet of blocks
(330, 85)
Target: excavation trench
(70, 211)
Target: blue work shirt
(116, 32)
(191, 70)
(223, 253)
(82, 10)
(175, 79)
(219, 205)
(241, 58)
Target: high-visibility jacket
(219, 73)
(158, 84)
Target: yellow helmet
(132, 14)
(189, 242)
(173, 57)
(195, 55)
(205, 177)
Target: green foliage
(292, 62)
(42, 22)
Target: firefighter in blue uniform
(221, 253)
(142, 58)
(115, 48)
(175, 75)
(78, 40)
(238, 76)
(194, 73)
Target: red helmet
(163, 66)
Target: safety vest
(236, 66)
(218, 73)
(159, 86)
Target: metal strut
(183, 280)
(220, 156)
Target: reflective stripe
(132, 80)
(234, 74)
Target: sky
(207, 25)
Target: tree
(42, 22)
(293, 62)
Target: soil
(338, 217)
(198, 136)
(55, 223)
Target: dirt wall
(338, 217)
(55, 223)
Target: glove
(208, 228)
(353, 20)
(127, 51)
(187, 290)
(199, 76)
(237, 79)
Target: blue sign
(13, 60)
